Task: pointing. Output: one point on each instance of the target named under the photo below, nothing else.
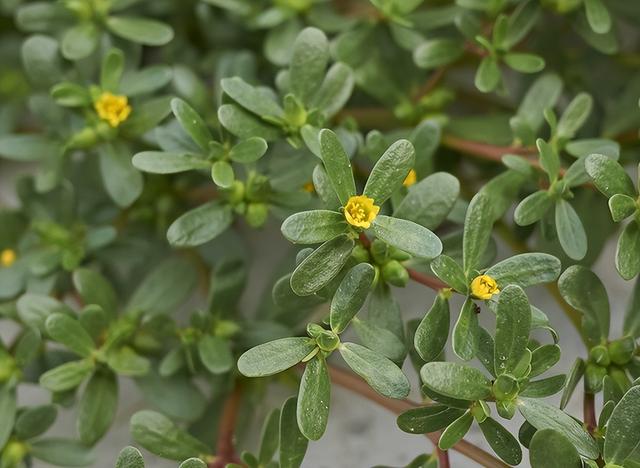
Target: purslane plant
(165, 152)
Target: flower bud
(621, 351)
(599, 355)
(328, 340)
(13, 453)
(85, 138)
(505, 387)
(257, 214)
(394, 273)
(360, 253)
(593, 376)
(379, 251)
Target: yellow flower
(309, 187)
(483, 287)
(360, 211)
(411, 178)
(113, 108)
(7, 257)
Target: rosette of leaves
(22, 441)
(47, 239)
(202, 152)
(101, 344)
(614, 183)
(551, 206)
(612, 364)
(311, 94)
(523, 270)
(112, 139)
(331, 228)
(462, 393)
(81, 25)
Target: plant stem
(356, 385)
(589, 412)
(443, 458)
(225, 447)
(429, 281)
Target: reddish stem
(359, 386)
(443, 458)
(589, 411)
(429, 281)
(225, 447)
(485, 150)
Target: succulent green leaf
(390, 171)
(337, 166)
(408, 236)
(456, 380)
(312, 227)
(550, 448)
(275, 356)
(433, 331)
(313, 399)
(350, 296)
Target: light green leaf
(524, 63)
(215, 354)
(525, 270)
(162, 437)
(222, 174)
(140, 30)
(437, 52)
(390, 171)
(80, 41)
(513, 322)
(121, 180)
(160, 162)
(609, 176)
(259, 101)
(249, 150)
(275, 356)
(501, 441)
(477, 230)
(337, 165)
(571, 234)
(313, 399)
(433, 331)
(542, 415)
(551, 449)
(62, 452)
(67, 376)
(623, 429)
(33, 421)
(322, 265)
(293, 444)
(95, 289)
(455, 431)
(455, 380)
(243, 124)
(111, 70)
(621, 207)
(426, 419)
(575, 115)
(25, 148)
(68, 331)
(543, 358)
(379, 372)
(335, 90)
(466, 332)
(8, 407)
(312, 227)
(200, 225)
(488, 75)
(628, 251)
(549, 159)
(598, 16)
(192, 123)
(532, 208)
(408, 236)
(308, 63)
(130, 457)
(97, 407)
(350, 296)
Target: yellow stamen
(7, 257)
(113, 108)
(483, 287)
(360, 211)
(411, 178)
(308, 187)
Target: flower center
(483, 287)
(360, 211)
(113, 108)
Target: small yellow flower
(113, 108)
(411, 178)
(483, 287)
(308, 187)
(7, 257)
(360, 211)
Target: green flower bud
(599, 355)
(398, 254)
(593, 376)
(7, 366)
(506, 409)
(360, 253)
(257, 214)
(85, 138)
(257, 187)
(314, 330)
(328, 341)
(505, 387)
(394, 273)
(14, 452)
(621, 351)
(379, 251)
(294, 111)
(226, 328)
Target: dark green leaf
(200, 225)
(408, 236)
(455, 380)
(513, 322)
(433, 331)
(313, 399)
(350, 296)
(312, 227)
(275, 356)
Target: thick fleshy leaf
(501, 441)
(308, 63)
(111, 70)
(380, 373)
(95, 289)
(68, 331)
(244, 124)
(350, 296)
(140, 30)
(455, 431)
(200, 225)
(628, 251)
(33, 421)
(215, 354)
(335, 90)
(80, 40)
(542, 415)
(609, 176)
(259, 101)
(574, 116)
(427, 419)
(488, 75)
(433, 331)
(456, 380)
(26, 147)
(192, 123)
(312, 227)
(67, 376)
(571, 234)
(62, 452)
(222, 174)
(380, 339)
(313, 399)
(598, 16)
(159, 435)
(249, 150)
(122, 181)
(321, 266)
(583, 290)
(551, 449)
(525, 270)
(130, 457)
(524, 63)
(97, 407)
(337, 166)
(450, 272)
(270, 437)
(408, 236)
(549, 159)
(466, 332)
(437, 52)
(623, 429)
(477, 230)
(390, 171)
(293, 444)
(513, 322)
(275, 356)
(544, 387)
(8, 405)
(574, 376)
(543, 358)
(621, 206)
